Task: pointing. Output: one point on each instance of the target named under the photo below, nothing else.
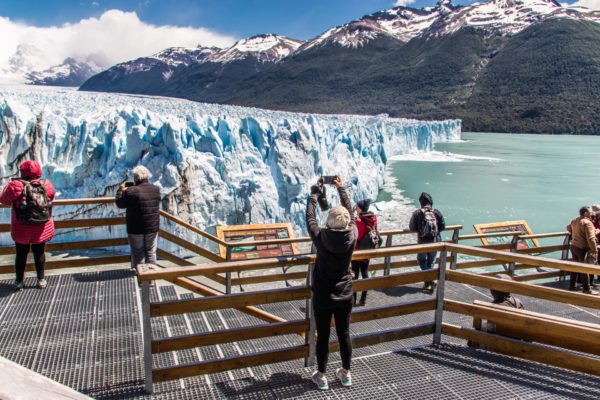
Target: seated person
(500, 298)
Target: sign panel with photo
(507, 227)
(252, 233)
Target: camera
(328, 179)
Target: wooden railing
(453, 263)
(436, 326)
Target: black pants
(21, 259)
(341, 312)
(579, 255)
(362, 268)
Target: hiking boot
(428, 286)
(344, 376)
(433, 286)
(320, 380)
(18, 286)
(362, 303)
(590, 291)
(42, 283)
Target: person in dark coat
(28, 236)
(365, 222)
(332, 280)
(142, 202)
(421, 221)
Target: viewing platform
(86, 329)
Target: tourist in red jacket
(366, 221)
(28, 235)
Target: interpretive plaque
(253, 233)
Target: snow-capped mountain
(263, 48)
(70, 73)
(402, 23)
(215, 164)
(172, 57)
(506, 16)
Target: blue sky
(238, 18)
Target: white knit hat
(338, 218)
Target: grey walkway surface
(84, 331)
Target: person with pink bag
(31, 224)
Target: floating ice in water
(215, 164)
(439, 156)
(505, 179)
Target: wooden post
(455, 236)
(310, 316)
(513, 249)
(439, 309)
(147, 335)
(228, 273)
(388, 259)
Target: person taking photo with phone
(332, 279)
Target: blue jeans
(426, 260)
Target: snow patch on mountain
(505, 16)
(215, 164)
(264, 48)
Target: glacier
(215, 164)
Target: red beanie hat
(30, 169)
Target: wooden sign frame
(258, 232)
(507, 226)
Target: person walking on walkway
(31, 224)
(583, 240)
(142, 201)
(366, 223)
(332, 280)
(428, 223)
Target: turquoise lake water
(543, 179)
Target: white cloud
(114, 37)
(591, 4)
(403, 3)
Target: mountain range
(502, 65)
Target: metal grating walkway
(84, 331)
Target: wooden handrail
(489, 235)
(192, 228)
(199, 250)
(265, 263)
(544, 235)
(225, 364)
(70, 202)
(228, 301)
(523, 259)
(228, 335)
(529, 351)
(526, 289)
(408, 231)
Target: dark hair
(583, 210)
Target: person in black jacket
(428, 223)
(142, 202)
(332, 280)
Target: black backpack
(34, 208)
(371, 240)
(429, 226)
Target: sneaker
(18, 286)
(362, 303)
(344, 376)
(320, 380)
(590, 291)
(42, 283)
(433, 286)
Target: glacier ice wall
(215, 164)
